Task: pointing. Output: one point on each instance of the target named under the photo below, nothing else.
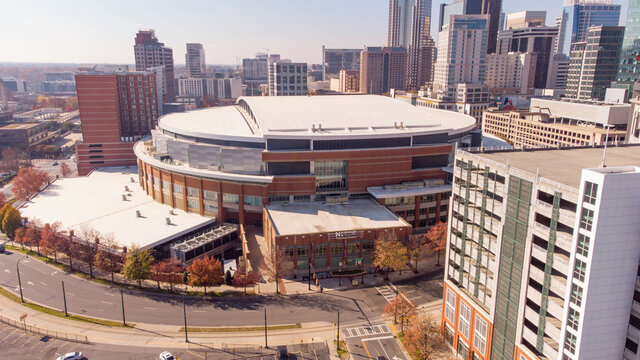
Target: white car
(165, 355)
(71, 356)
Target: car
(2, 246)
(71, 356)
(165, 355)
(55, 163)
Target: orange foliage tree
(244, 277)
(437, 238)
(28, 182)
(424, 338)
(205, 272)
(51, 240)
(401, 309)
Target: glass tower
(579, 15)
(629, 70)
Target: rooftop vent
(168, 220)
(138, 213)
(126, 188)
(171, 212)
(131, 178)
(124, 197)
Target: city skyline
(359, 23)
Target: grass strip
(43, 309)
(241, 328)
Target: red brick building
(116, 110)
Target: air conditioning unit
(168, 220)
(335, 200)
(124, 197)
(138, 214)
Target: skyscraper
(149, 52)
(287, 78)
(629, 69)
(382, 69)
(194, 58)
(335, 60)
(493, 8)
(579, 15)
(409, 27)
(593, 63)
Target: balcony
(564, 240)
(552, 327)
(633, 333)
(561, 263)
(539, 253)
(635, 308)
(544, 208)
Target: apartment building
(511, 73)
(542, 255)
(194, 58)
(349, 81)
(150, 53)
(287, 78)
(382, 69)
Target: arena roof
(256, 117)
(96, 201)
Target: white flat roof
(316, 217)
(96, 201)
(295, 116)
(596, 112)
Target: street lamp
(20, 282)
(340, 273)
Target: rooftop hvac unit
(138, 213)
(168, 221)
(124, 197)
(335, 200)
(131, 178)
(126, 188)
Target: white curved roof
(295, 116)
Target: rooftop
(565, 166)
(96, 201)
(317, 217)
(315, 116)
(16, 126)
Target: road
(15, 343)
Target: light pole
(64, 299)
(184, 309)
(19, 281)
(340, 273)
(124, 321)
(266, 345)
(338, 342)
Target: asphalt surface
(15, 344)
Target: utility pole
(184, 309)
(266, 344)
(338, 342)
(64, 298)
(19, 282)
(124, 321)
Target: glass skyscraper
(629, 70)
(579, 15)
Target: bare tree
(108, 257)
(275, 266)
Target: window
(193, 192)
(573, 320)
(165, 185)
(590, 192)
(301, 197)
(465, 316)
(330, 175)
(450, 310)
(570, 342)
(353, 248)
(463, 350)
(303, 252)
(583, 245)
(336, 249)
(230, 198)
(209, 207)
(320, 250)
(288, 252)
(580, 270)
(193, 204)
(253, 200)
(156, 182)
(209, 195)
(367, 246)
(586, 219)
(178, 189)
(480, 334)
(576, 294)
(274, 198)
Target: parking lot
(16, 344)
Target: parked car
(165, 355)
(55, 163)
(71, 356)
(2, 247)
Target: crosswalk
(365, 331)
(387, 292)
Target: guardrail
(38, 331)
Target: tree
(137, 265)
(11, 221)
(389, 253)
(88, 248)
(33, 235)
(3, 211)
(275, 266)
(436, 238)
(3, 199)
(51, 240)
(205, 272)
(401, 309)
(28, 182)
(71, 103)
(171, 271)
(417, 248)
(72, 248)
(424, 339)
(227, 277)
(107, 257)
(156, 273)
(65, 170)
(13, 160)
(19, 237)
(244, 277)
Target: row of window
(464, 321)
(207, 194)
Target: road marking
(10, 333)
(377, 329)
(30, 283)
(70, 294)
(195, 354)
(53, 273)
(43, 283)
(7, 271)
(150, 308)
(378, 338)
(16, 339)
(108, 294)
(367, 350)
(198, 311)
(106, 302)
(29, 339)
(386, 292)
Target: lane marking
(378, 338)
(195, 354)
(150, 308)
(16, 339)
(367, 350)
(108, 294)
(106, 302)
(7, 271)
(198, 311)
(43, 283)
(10, 333)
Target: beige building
(382, 69)
(525, 19)
(349, 81)
(511, 73)
(524, 128)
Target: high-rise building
(511, 73)
(409, 27)
(527, 34)
(542, 254)
(149, 52)
(382, 69)
(633, 125)
(579, 15)
(558, 72)
(335, 60)
(287, 78)
(593, 64)
(629, 69)
(117, 109)
(462, 45)
(194, 58)
(349, 81)
(458, 7)
(255, 72)
(493, 8)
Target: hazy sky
(100, 31)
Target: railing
(44, 332)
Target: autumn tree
(19, 236)
(3, 199)
(172, 270)
(65, 170)
(3, 211)
(51, 240)
(389, 253)
(137, 265)
(275, 266)
(88, 246)
(13, 159)
(28, 182)
(11, 221)
(417, 248)
(71, 103)
(244, 277)
(33, 236)
(107, 257)
(402, 310)
(72, 248)
(205, 272)
(436, 238)
(424, 338)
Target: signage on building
(345, 234)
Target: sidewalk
(147, 335)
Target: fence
(52, 334)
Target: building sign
(343, 235)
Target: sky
(96, 31)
